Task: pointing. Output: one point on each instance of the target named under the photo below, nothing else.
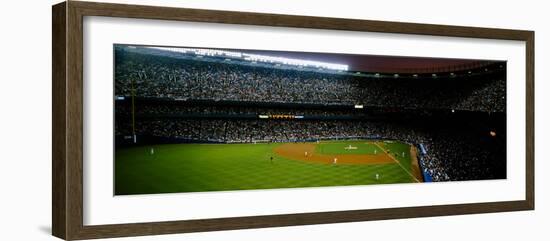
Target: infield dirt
(297, 151)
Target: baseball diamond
(215, 167)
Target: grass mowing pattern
(218, 167)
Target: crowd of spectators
(464, 157)
(164, 77)
(252, 130)
(161, 110)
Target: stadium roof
(384, 64)
(257, 57)
(346, 62)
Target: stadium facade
(456, 118)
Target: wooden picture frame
(67, 150)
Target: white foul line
(397, 161)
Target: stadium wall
(425, 174)
(128, 140)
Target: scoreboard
(280, 116)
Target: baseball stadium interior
(452, 111)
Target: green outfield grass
(217, 167)
(397, 149)
(339, 147)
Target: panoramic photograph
(191, 119)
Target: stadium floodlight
(255, 57)
(358, 106)
(295, 62)
(201, 52)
